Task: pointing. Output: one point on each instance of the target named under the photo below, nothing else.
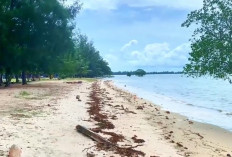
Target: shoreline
(198, 99)
(163, 109)
(43, 123)
(217, 139)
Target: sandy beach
(41, 119)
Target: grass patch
(33, 96)
(81, 79)
(24, 113)
(24, 93)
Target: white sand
(43, 124)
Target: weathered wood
(94, 136)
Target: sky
(133, 34)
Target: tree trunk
(1, 81)
(28, 77)
(32, 77)
(8, 77)
(17, 78)
(12, 4)
(24, 80)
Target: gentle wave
(205, 99)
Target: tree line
(138, 72)
(37, 38)
(129, 73)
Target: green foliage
(140, 72)
(95, 63)
(128, 74)
(37, 38)
(212, 40)
(24, 93)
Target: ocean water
(202, 99)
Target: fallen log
(129, 151)
(94, 136)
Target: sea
(203, 99)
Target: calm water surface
(203, 99)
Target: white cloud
(100, 4)
(129, 44)
(160, 55)
(113, 4)
(178, 4)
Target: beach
(41, 119)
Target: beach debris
(114, 117)
(179, 144)
(15, 151)
(136, 140)
(105, 144)
(90, 154)
(167, 138)
(75, 82)
(198, 134)
(228, 155)
(78, 97)
(115, 138)
(94, 136)
(168, 112)
(140, 107)
(102, 119)
(125, 109)
(172, 141)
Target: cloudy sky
(132, 34)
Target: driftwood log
(129, 151)
(94, 136)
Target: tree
(36, 37)
(140, 72)
(97, 67)
(128, 74)
(33, 36)
(211, 42)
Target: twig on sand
(86, 149)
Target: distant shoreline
(148, 73)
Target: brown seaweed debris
(74, 82)
(95, 112)
(95, 109)
(136, 140)
(115, 138)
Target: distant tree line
(166, 72)
(138, 72)
(37, 38)
(133, 72)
